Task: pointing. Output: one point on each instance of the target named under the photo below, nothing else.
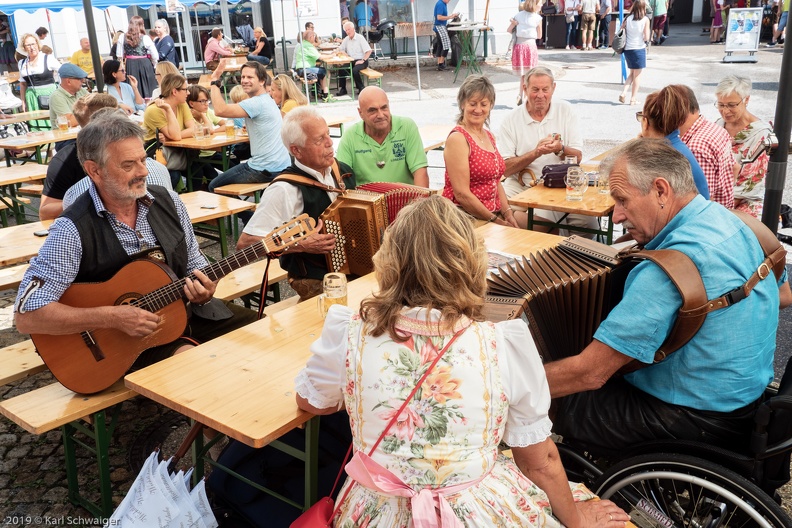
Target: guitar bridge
(92, 346)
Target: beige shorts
(588, 21)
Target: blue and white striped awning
(10, 6)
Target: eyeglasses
(31, 45)
(730, 106)
(183, 89)
(639, 116)
(202, 101)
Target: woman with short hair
(748, 133)
(122, 86)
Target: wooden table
(204, 206)
(35, 140)
(328, 46)
(434, 136)
(465, 32)
(24, 117)
(242, 384)
(218, 141)
(333, 122)
(19, 244)
(338, 62)
(592, 165)
(10, 177)
(593, 204)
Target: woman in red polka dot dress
(473, 165)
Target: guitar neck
(174, 291)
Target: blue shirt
(698, 173)
(264, 130)
(441, 8)
(58, 261)
(127, 96)
(729, 362)
(360, 14)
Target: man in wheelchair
(709, 389)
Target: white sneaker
(567, 47)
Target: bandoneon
(358, 219)
(563, 292)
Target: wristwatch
(560, 153)
(217, 82)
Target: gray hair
(292, 131)
(734, 84)
(648, 159)
(107, 126)
(474, 85)
(538, 71)
(348, 23)
(161, 22)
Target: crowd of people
(485, 383)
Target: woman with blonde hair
(483, 384)
(286, 94)
(139, 54)
(162, 69)
(474, 166)
(262, 52)
(37, 74)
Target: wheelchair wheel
(666, 490)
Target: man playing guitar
(118, 220)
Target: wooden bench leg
(101, 433)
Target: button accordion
(358, 219)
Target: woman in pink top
(474, 166)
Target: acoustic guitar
(93, 360)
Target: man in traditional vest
(307, 138)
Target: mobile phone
(42, 233)
(208, 207)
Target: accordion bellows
(565, 292)
(358, 219)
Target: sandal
(621, 98)
(633, 102)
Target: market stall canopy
(9, 6)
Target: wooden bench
(372, 76)
(11, 277)
(33, 189)
(4, 209)
(243, 189)
(205, 80)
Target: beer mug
(603, 185)
(334, 286)
(230, 133)
(199, 132)
(576, 183)
(63, 123)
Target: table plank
(23, 117)
(541, 197)
(246, 390)
(37, 139)
(203, 206)
(22, 173)
(214, 142)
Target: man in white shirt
(306, 136)
(541, 132)
(356, 46)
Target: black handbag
(554, 174)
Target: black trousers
(618, 416)
(343, 74)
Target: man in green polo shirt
(62, 100)
(383, 148)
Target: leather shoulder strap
(298, 179)
(687, 279)
(772, 248)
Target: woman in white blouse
(488, 387)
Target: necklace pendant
(381, 164)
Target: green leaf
(417, 450)
(409, 359)
(391, 444)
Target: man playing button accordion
(708, 389)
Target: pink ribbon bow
(430, 509)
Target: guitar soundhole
(127, 298)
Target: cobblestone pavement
(32, 476)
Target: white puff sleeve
(525, 384)
(322, 380)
